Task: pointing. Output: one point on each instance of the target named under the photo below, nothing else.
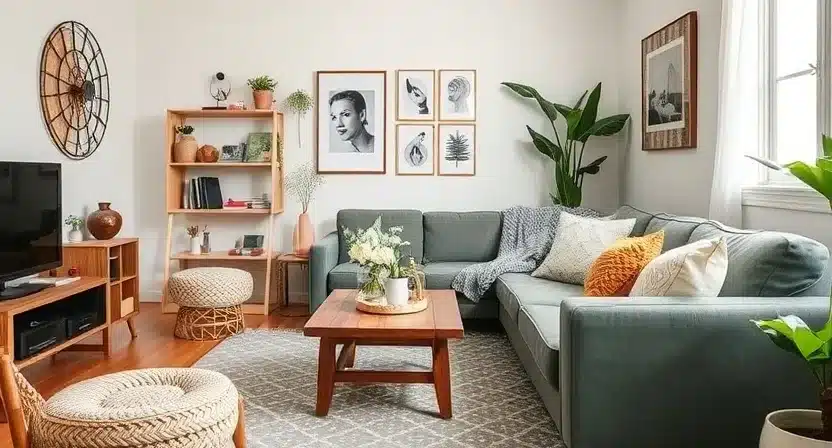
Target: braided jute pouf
(209, 301)
(150, 408)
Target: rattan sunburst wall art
(74, 90)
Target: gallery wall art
(457, 95)
(457, 149)
(415, 95)
(415, 149)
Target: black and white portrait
(457, 149)
(665, 87)
(458, 95)
(351, 117)
(415, 150)
(415, 95)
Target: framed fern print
(457, 147)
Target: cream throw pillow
(694, 270)
(577, 243)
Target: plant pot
(776, 435)
(104, 223)
(75, 236)
(263, 99)
(184, 151)
(196, 248)
(396, 292)
(304, 236)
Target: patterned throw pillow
(695, 270)
(578, 242)
(615, 271)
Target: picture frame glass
(415, 95)
(457, 95)
(457, 148)
(415, 149)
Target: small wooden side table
(283, 263)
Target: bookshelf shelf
(178, 174)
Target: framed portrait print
(668, 71)
(415, 149)
(457, 95)
(351, 121)
(457, 149)
(415, 95)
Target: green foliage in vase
(581, 123)
(264, 82)
(185, 130)
(74, 221)
(302, 183)
(457, 148)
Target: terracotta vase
(207, 154)
(104, 223)
(304, 236)
(184, 151)
(263, 99)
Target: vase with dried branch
(299, 103)
(302, 184)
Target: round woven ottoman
(141, 408)
(210, 301)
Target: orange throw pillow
(615, 271)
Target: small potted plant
(299, 103)
(184, 151)
(302, 184)
(263, 89)
(74, 234)
(193, 233)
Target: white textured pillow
(577, 243)
(694, 270)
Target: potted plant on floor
(302, 184)
(803, 428)
(263, 89)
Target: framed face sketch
(415, 95)
(457, 149)
(351, 122)
(415, 149)
(457, 95)
(669, 63)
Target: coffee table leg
(442, 376)
(326, 376)
(346, 359)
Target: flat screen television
(30, 221)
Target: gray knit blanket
(525, 241)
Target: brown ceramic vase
(104, 223)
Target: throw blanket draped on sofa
(525, 241)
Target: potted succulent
(74, 234)
(263, 89)
(299, 103)
(803, 428)
(184, 150)
(302, 184)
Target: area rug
(494, 402)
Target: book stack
(202, 193)
(258, 203)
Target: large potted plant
(263, 89)
(581, 123)
(803, 428)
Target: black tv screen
(30, 218)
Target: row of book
(205, 193)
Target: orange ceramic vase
(304, 236)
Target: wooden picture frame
(405, 166)
(406, 107)
(464, 108)
(359, 142)
(444, 166)
(669, 92)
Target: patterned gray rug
(494, 402)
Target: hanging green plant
(299, 103)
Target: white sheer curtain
(738, 128)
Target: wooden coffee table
(338, 322)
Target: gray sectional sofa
(633, 372)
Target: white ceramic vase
(773, 436)
(196, 249)
(395, 290)
(75, 236)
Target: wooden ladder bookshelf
(176, 173)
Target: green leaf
(820, 180)
(794, 329)
(572, 120)
(765, 162)
(590, 113)
(548, 108)
(580, 100)
(825, 164)
(593, 167)
(571, 192)
(827, 145)
(546, 147)
(564, 110)
(606, 126)
(555, 200)
(520, 89)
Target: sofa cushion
(515, 291)
(677, 229)
(410, 220)
(462, 236)
(539, 327)
(344, 276)
(441, 275)
(642, 218)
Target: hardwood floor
(155, 347)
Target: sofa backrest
(760, 263)
(462, 236)
(409, 220)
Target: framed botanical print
(457, 149)
(415, 95)
(351, 122)
(669, 100)
(457, 95)
(415, 149)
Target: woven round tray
(380, 306)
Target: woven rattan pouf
(141, 408)
(210, 301)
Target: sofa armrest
(682, 372)
(322, 258)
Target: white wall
(108, 174)
(562, 47)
